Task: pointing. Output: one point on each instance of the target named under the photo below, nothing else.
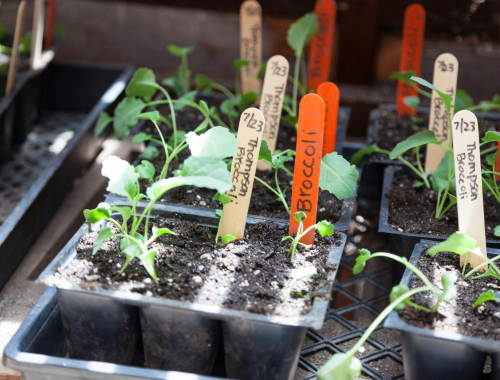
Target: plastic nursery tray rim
(384, 211)
(313, 319)
(395, 322)
(375, 114)
(16, 357)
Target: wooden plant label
(49, 30)
(37, 39)
(330, 94)
(15, 50)
(250, 132)
(411, 54)
(468, 182)
(445, 80)
(320, 55)
(307, 163)
(250, 45)
(271, 101)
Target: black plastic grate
(356, 302)
(47, 139)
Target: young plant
(486, 296)
(324, 228)
(124, 180)
(224, 199)
(345, 366)
(180, 81)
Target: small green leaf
(449, 289)
(458, 243)
(142, 85)
(360, 154)
(412, 101)
(265, 152)
(417, 184)
(301, 32)
(102, 123)
(262, 70)
(439, 178)
(227, 239)
(364, 255)
(488, 273)
(181, 135)
(149, 153)
(418, 139)
(141, 137)
(278, 160)
(102, 211)
(122, 177)
(126, 113)
(228, 107)
(179, 51)
(491, 159)
(447, 99)
(202, 81)
(133, 250)
(404, 76)
(489, 105)
(325, 228)
(217, 143)
(300, 216)
(239, 63)
(147, 260)
(497, 231)
(341, 366)
(222, 198)
(290, 119)
(337, 176)
(462, 100)
(145, 170)
(102, 236)
(219, 213)
(396, 292)
(492, 136)
(187, 97)
(247, 100)
(486, 296)
(303, 272)
(157, 232)
(151, 115)
(126, 212)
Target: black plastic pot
(371, 182)
(68, 87)
(184, 335)
(403, 243)
(441, 355)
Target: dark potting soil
(252, 274)
(412, 210)
(458, 315)
(263, 202)
(389, 129)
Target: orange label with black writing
(320, 55)
(497, 164)
(51, 6)
(330, 94)
(411, 54)
(307, 163)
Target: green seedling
(224, 199)
(297, 274)
(486, 296)
(345, 366)
(123, 178)
(324, 228)
(179, 82)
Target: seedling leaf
(341, 366)
(337, 176)
(126, 113)
(412, 101)
(492, 136)
(178, 51)
(325, 228)
(161, 231)
(181, 135)
(142, 85)
(486, 296)
(141, 137)
(217, 142)
(149, 153)
(418, 139)
(102, 211)
(125, 211)
(247, 100)
(102, 236)
(202, 81)
(458, 243)
(364, 255)
(187, 97)
(239, 63)
(151, 115)
(102, 123)
(492, 158)
(300, 216)
(447, 99)
(145, 170)
(301, 32)
(122, 177)
(396, 292)
(227, 239)
(265, 152)
(358, 156)
(497, 231)
(462, 100)
(222, 198)
(404, 76)
(449, 289)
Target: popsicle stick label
(411, 54)
(321, 45)
(271, 101)
(330, 94)
(445, 80)
(307, 163)
(37, 39)
(15, 52)
(468, 182)
(250, 45)
(49, 30)
(250, 131)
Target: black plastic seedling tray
(184, 335)
(441, 355)
(68, 90)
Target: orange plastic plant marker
(321, 44)
(307, 163)
(411, 54)
(497, 164)
(49, 31)
(330, 94)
